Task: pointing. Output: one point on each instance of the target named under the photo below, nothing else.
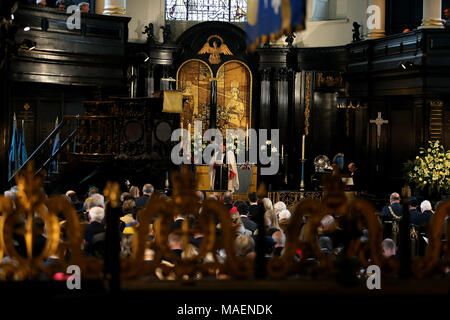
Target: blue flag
(269, 19)
(56, 144)
(13, 163)
(23, 156)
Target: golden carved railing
(159, 214)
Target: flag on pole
(23, 156)
(13, 163)
(269, 19)
(54, 163)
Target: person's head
(72, 195)
(175, 241)
(352, 167)
(389, 248)
(41, 3)
(134, 191)
(99, 200)
(413, 202)
(284, 215)
(84, 7)
(228, 197)
(212, 197)
(243, 209)
(125, 196)
(148, 189)
(92, 190)
(60, 5)
(279, 238)
(200, 196)
(447, 13)
(96, 214)
(270, 214)
(268, 206)
(244, 245)
(425, 206)
(278, 207)
(252, 197)
(394, 198)
(90, 203)
(10, 194)
(237, 223)
(129, 207)
(327, 223)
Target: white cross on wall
(379, 122)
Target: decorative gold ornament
(215, 50)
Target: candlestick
(303, 147)
(302, 182)
(246, 139)
(249, 138)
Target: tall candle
(246, 139)
(189, 128)
(303, 147)
(282, 151)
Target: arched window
(207, 10)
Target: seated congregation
(332, 235)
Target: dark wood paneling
(402, 142)
(93, 55)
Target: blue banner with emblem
(270, 19)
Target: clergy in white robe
(232, 172)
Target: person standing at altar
(223, 171)
(356, 176)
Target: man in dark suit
(393, 212)
(356, 176)
(147, 191)
(96, 216)
(253, 208)
(414, 214)
(426, 213)
(243, 212)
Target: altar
(247, 180)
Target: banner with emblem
(270, 19)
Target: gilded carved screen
(194, 80)
(233, 96)
(234, 84)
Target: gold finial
(29, 186)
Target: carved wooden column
(264, 109)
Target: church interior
(93, 92)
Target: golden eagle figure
(215, 50)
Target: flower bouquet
(430, 170)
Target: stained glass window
(207, 10)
